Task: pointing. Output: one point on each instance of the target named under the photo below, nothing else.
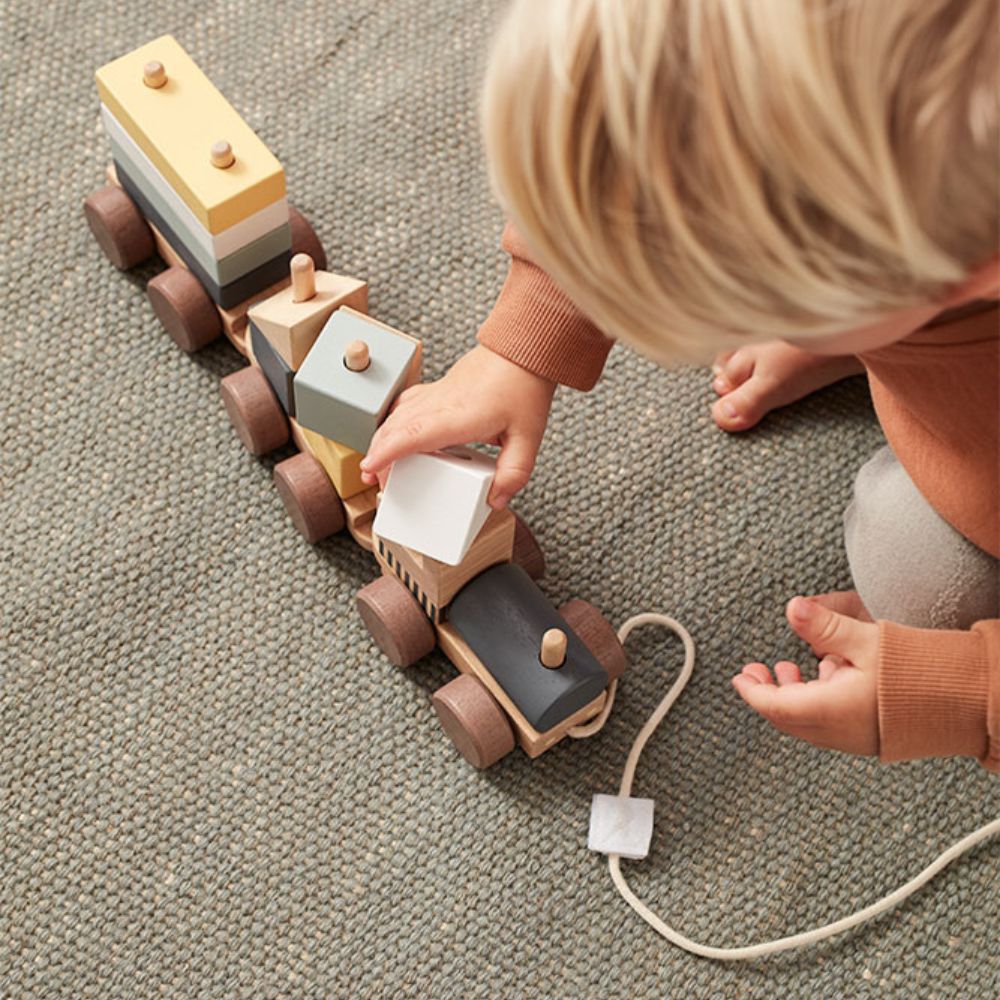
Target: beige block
(292, 327)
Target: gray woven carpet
(211, 783)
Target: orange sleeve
(537, 327)
(939, 693)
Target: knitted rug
(212, 784)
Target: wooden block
(342, 464)
(360, 511)
(503, 616)
(439, 581)
(222, 268)
(415, 373)
(273, 365)
(345, 405)
(436, 503)
(528, 737)
(176, 126)
(234, 321)
(225, 296)
(292, 327)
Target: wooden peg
(303, 272)
(222, 154)
(553, 651)
(154, 75)
(356, 356)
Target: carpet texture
(213, 785)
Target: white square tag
(621, 825)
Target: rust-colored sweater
(936, 395)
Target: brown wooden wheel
(473, 720)
(309, 497)
(254, 410)
(118, 226)
(396, 621)
(527, 552)
(304, 238)
(185, 309)
(597, 633)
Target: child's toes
(787, 673)
(740, 409)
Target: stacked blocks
(196, 170)
(436, 504)
(346, 402)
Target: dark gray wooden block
(502, 615)
(279, 373)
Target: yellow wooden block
(292, 327)
(342, 464)
(177, 124)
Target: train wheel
(304, 238)
(597, 633)
(254, 410)
(184, 308)
(474, 721)
(118, 227)
(309, 497)
(527, 552)
(396, 621)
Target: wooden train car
(192, 181)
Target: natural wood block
(342, 464)
(176, 126)
(440, 582)
(292, 327)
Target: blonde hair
(700, 173)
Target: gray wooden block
(344, 405)
(503, 615)
(278, 372)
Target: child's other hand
(838, 710)
(483, 397)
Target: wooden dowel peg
(553, 651)
(222, 154)
(356, 356)
(303, 272)
(154, 75)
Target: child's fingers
(791, 708)
(514, 467)
(827, 668)
(407, 432)
(787, 673)
(758, 672)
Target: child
(690, 176)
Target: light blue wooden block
(341, 404)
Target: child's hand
(839, 710)
(483, 397)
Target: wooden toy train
(192, 181)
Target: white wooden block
(621, 825)
(436, 503)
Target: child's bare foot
(757, 379)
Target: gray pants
(909, 565)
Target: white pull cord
(766, 947)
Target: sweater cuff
(933, 690)
(536, 326)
